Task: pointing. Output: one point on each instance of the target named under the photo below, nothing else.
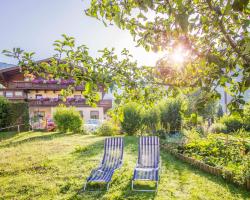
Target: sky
(33, 25)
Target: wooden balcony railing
(39, 86)
(107, 103)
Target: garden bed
(227, 175)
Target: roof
(6, 66)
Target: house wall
(48, 111)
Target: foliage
(151, 119)
(232, 155)
(64, 159)
(220, 112)
(132, 120)
(213, 35)
(108, 129)
(68, 119)
(171, 114)
(246, 117)
(108, 72)
(13, 113)
(4, 106)
(232, 122)
(192, 121)
(201, 103)
(218, 128)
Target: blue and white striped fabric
(112, 159)
(147, 167)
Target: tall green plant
(151, 119)
(68, 119)
(132, 120)
(4, 107)
(171, 114)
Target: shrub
(68, 119)
(232, 122)
(171, 118)
(218, 128)
(246, 118)
(13, 113)
(107, 129)
(132, 120)
(193, 120)
(4, 107)
(151, 119)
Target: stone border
(204, 167)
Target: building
(43, 96)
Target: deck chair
(112, 160)
(148, 164)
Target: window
(94, 114)
(9, 94)
(39, 96)
(39, 114)
(18, 93)
(1, 93)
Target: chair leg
(107, 186)
(85, 185)
(132, 185)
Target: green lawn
(37, 165)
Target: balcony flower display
(67, 82)
(70, 99)
(44, 99)
(38, 80)
(79, 100)
(52, 81)
(64, 82)
(54, 99)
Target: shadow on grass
(173, 164)
(7, 135)
(44, 137)
(120, 185)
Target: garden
(194, 99)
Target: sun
(178, 56)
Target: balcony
(13, 94)
(27, 85)
(52, 102)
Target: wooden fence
(204, 167)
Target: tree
(214, 33)
(213, 36)
(107, 72)
(220, 112)
(4, 110)
(132, 119)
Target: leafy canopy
(213, 33)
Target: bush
(151, 119)
(171, 118)
(68, 119)
(107, 129)
(246, 118)
(4, 108)
(232, 122)
(193, 120)
(132, 120)
(13, 113)
(218, 128)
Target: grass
(39, 165)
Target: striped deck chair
(112, 160)
(148, 164)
